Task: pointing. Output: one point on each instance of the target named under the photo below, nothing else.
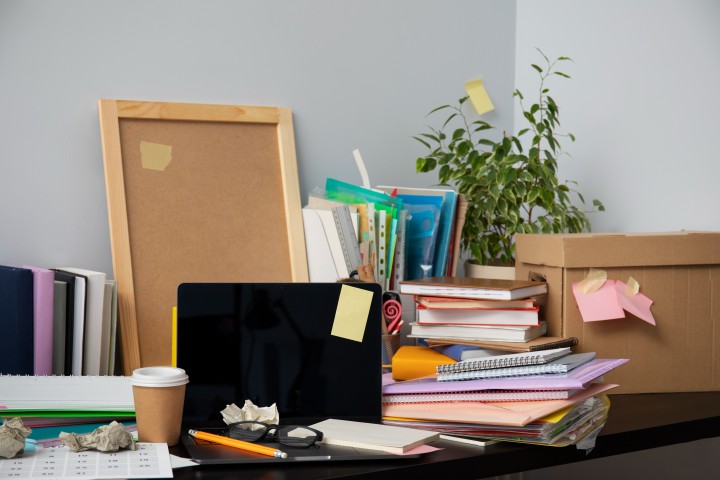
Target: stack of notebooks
(79, 404)
(59, 321)
(480, 312)
(547, 397)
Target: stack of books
(474, 310)
(60, 321)
(547, 397)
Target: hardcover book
(477, 288)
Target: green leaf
(523, 131)
(423, 142)
(458, 134)
(442, 107)
(562, 74)
(572, 137)
(540, 70)
(449, 119)
(518, 94)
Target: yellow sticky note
(478, 96)
(352, 312)
(155, 156)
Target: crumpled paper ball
(12, 437)
(251, 412)
(108, 438)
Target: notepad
(373, 436)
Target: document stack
(400, 232)
(547, 397)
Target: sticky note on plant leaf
(478, 96)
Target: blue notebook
(16, 321)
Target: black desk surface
(636, 422)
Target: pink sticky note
(599, 305)
(638, 304)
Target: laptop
(281, 343)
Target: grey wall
(357, 74)
(643, 103)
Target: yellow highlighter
(231, 442)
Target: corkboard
(196, 193)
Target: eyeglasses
(290, 435)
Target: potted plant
(510, 187)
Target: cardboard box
(679, 272)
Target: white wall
(357, 74)
(643, 103)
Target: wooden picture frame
(195, 193)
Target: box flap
(618, 249)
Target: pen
(231, 442)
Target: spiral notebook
(560, 365)
(501, 361)
(482, 396)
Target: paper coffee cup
(159, 394)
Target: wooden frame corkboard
(195, 193)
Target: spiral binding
(490, 362)
(502, 372)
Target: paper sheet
(150, 460)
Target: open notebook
(282, 343)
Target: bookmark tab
(352, 312)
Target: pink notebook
(43, 295)
(494, 413)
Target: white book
(326, 261)
(373, 436)
(97, 331)
(478, 332)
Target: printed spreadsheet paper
(150, 460)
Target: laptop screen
(275, 343)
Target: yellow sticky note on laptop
(478, 96)
(352, 312)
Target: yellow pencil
(231, 442)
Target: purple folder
(577, 378)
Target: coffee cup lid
(158, 377)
